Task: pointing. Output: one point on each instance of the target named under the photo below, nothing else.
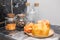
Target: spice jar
(20, 20)
(10, 22)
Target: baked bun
(45, 26)
(41, 28)
(28, 28)
(46, 22)
(37, 30)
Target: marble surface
(19, 35)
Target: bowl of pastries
(40, 29)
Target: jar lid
(21, 15)
(11, 15)
(27, 4)
(36, 4)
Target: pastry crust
(28, 27)
(41, 28)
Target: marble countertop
(19, 35)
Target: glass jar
(37, 12)
(20, 20)
(28, 7)
(30, 13)
(10, 22)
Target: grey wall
(49, 9)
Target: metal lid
(21, 15)
(27, 4)
(11, 15)
(36, 4)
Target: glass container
(37, 15)
(20, 20)
(10, 22)
(30, 13)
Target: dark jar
(20, 20)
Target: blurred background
(49, 9)
(5, 8)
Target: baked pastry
(40, 29)
(46, 22)
(37, 30)
(28, 28)
(44, 27)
